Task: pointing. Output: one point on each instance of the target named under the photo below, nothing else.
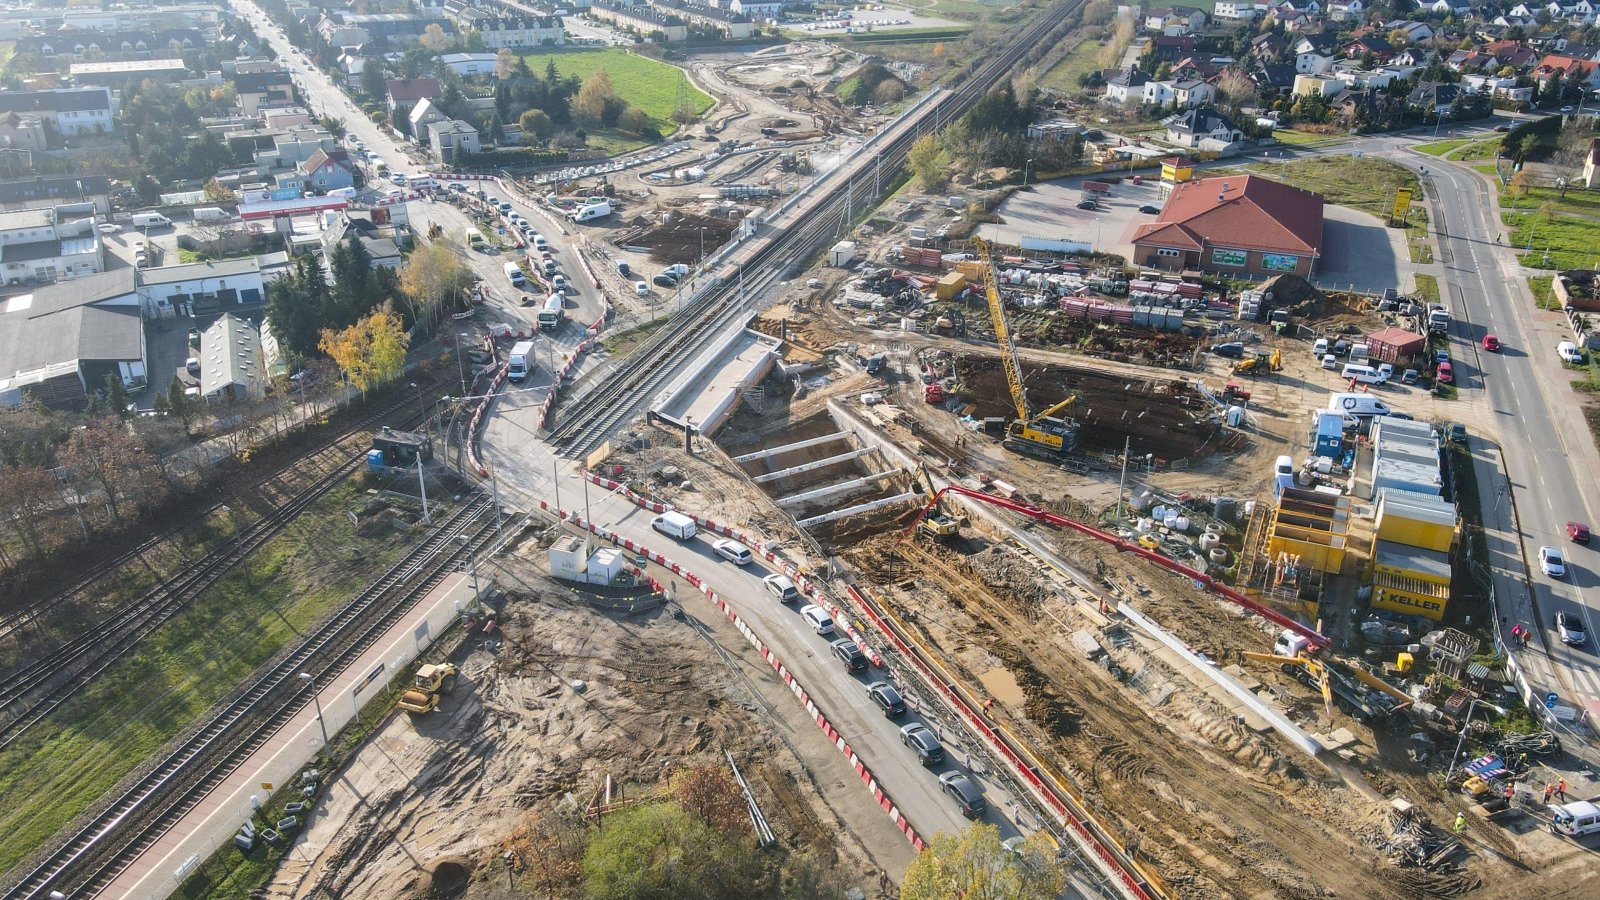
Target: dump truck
(431, 682)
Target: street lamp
(1025, 170)
(317, 698)
(421, 407)
(461, 369)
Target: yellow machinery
(1260, 363)
(1044, 435)
(1305, 669)
(937, 522)
(1363, 694)
(432, 681)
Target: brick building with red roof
(1236, 225)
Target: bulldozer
(431, 682)
(937, 523)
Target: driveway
(1360, 253)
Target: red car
(1578, 532)
(1445, 374)
(1491, 343)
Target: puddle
(1002, 686)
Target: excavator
(1371, 698)
(937, 523)
(431, 683)
(1260, 363)
(1045, 435)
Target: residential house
(74, 44)
(1410, 32)
(328, 171)
(377, 239)
(425, 113)
(58, 343)
(1235, 11)
(119, 73)
(342, 29)
(1559, 67)
(1317, 86)
(1347, 11)
(1434, 98)
(254, 90)
(1269, 47)
(49, 243)
(1168, 48)
(68, 111)
(1314, 53)
(1174, 20)
(1241, 224)
(1126, 88)
(76, 194)
(732, 25)
(1193, 92)
(1373, 44)
(1273, 79)
(642, 19)
(22, 132)
(452, 138)
(514, 30)
(1202, 126)
(407, 91)
(351, 65)
(1448, 7)
(1157, 93)
(1591, 165)
(759, 10)
(202, 289)
(1354, 105)
(1415, 57)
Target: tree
(187, 409)
(888, 91)
(594, 98)
(927, 160)
(1519, 184)
(973, 864)
(29, 435)
(1235, 89)
(27, 496)
(661, 850)
(117, 397)
(431, 277)
(636, 121)
(217, 193)
(105, 454)
(297, 307)
(370, 352)
(372, 78)
(505, 63)
(711, 795)
(536, 123)
(356, 290)
(434, 38)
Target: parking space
(1360, 253)
(1050, 210)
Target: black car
(884, 694)
(919, 738)
(1231, 350)
(967, 793)
(1088, 204)
(1150, 210)
(665, 280)
(849, 654)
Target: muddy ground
(562, 698)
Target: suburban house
(47, 244)
(232, 365)
(1347, 10)
(399, 92)
(67, 111)
(325, 171)
(1314, 53)
(451, 138)
(1203, 129)
(1434, 98)
(1126, 88)
(512, 30)
(268, 88)
(22, 132)
(641, 18)
(1242, 224)
(759, 10)
(425, 113)
(58, 343)
(1591, 164)
(1558, 66)
(1231, 11)
(1173, 20)
(733, 26)
(381, 248)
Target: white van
(151, 220)
(1362, 374)
(1567, 350)
(211, 214)
(782, 587)
(514, 274)
(1575, 819)
(1320, 348)
(1358, 405)
(674, 525)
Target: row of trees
(993, 133)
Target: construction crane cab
(1045, 435)
(431, 683)
(937, 522)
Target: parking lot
(1050, 210)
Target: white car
(1569, 629)
(782, 587)
(109, 227)
(733, 552)
(1551, 563)
(818, 619)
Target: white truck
(514, 274)
(553, 312)
(520, 363)
(1359, 405)
(590, 211)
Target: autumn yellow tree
(434, 38)
(593, 97)
(432, 276)
(974, 863)
(370, 352)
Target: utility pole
(422, 487)
(1127, 446)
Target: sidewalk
(213, 821)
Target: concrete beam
(798, 445)
(831, 489)
(810, 466)
(858, 508)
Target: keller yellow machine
(937, 522)
(1045, 435)
(432, 682)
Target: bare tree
(28, 495)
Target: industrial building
(232, 365)
(59, 342)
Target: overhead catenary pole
(422, 487)
(1127, 447)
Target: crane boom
(1039, 435)
(1002, 331)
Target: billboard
(1222, 256)
(1279, 262)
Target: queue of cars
(962, 788)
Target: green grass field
(1428, 288)
(65, 763)
(1440, 148)
(961, 9)
(1578, 201)
(1063, 76)
(1571, 243)
(1541, 286)
(652, 86)
(1303, 138)
(1365, 183)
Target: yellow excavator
(1364, 695)
(431, 683)
(1046, 435)
(937, 523)
(1260, 363)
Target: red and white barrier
(885, 802)
(812, 589)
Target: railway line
(586, 422)
(29, 695)
(98, 850)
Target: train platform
(708, 391)
(215, 819)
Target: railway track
(586, 422)
(112, 838)
(16, 620)
(31, 693)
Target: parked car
(1409, 376)
(1445, 374)
(781, 586)
(733, 552)
(1570, 629)
(966, 792)
(1491, 343)
(849, 654)
(1578, 532)
(109, 227)
(1230, 350)
(888, 699)
(1150, 210)
(919, 738)
(818, 619)
(192, 366)
(1551, 562)
(1088, 204)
